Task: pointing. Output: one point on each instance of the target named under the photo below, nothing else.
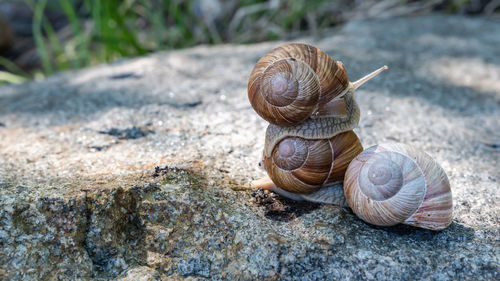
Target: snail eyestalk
(361, 81)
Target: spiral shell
(288, 84)
(300, 165)
(389, 184)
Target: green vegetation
(99, 31)
(102, 31)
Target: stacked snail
(310, 148)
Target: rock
(139, 169)
(140, 273)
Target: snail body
(389, 184)
(317, 128)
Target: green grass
(7, 77)
(38, 8)
(101, 31)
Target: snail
(295, 82)
(309, 101)
(308, 169)
(310, 146)
(389, 184)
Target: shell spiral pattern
(288, 84)
(389, 184)
(300, 165)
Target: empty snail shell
(304, 169)
(389, 184)
(294, 82)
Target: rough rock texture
(138, 170)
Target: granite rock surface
(139, 170)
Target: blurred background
(40, 37)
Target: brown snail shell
(294, 82)
(301, 166)
(389, 184)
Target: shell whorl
(293, 81)
(301, 165)
(389, 184)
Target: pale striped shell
(389, 184)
